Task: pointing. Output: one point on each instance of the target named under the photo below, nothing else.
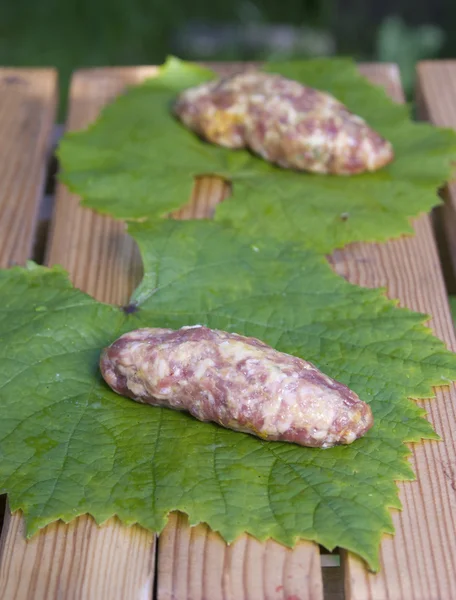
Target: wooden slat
(419, 562)
(82, 561)
(28, 100)
(78, 561)
(436, 102)
(195, 562)
(101, 259)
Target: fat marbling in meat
(285, 122)
(236, 381)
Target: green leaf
(69, 445)
(452, 300)
(137, 160)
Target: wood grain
(419, 562)
(436, 102)
(195, 562)
(101, 259)
(82, 561)
(78, 561)
(28, 99)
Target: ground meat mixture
(286, 123)
(239, 382)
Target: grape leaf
(452, 301)
(69, 445)
(136, 161)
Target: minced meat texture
(239, 382)
(285, 122)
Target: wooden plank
(419, 562)
(436, 102)
(101, 259)
(28, 100)
(195, 562)
(81, 560)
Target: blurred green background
(82, 33)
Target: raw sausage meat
(238, 382)
(289, 124)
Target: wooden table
(82, 561)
